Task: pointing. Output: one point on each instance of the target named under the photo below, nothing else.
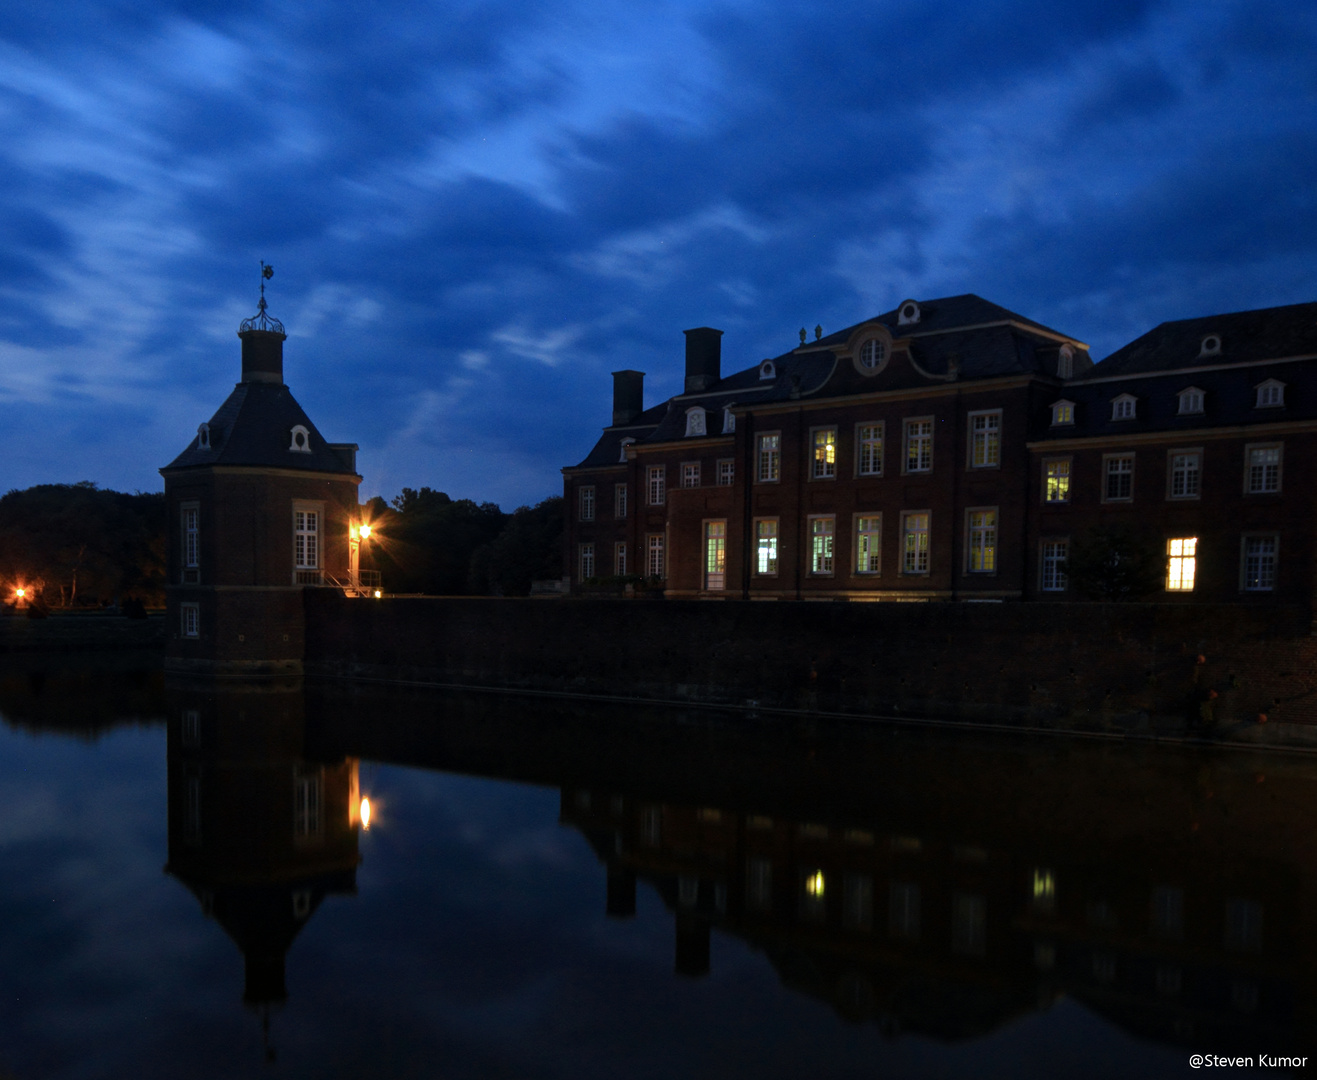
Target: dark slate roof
(254, 427)
(1246, 337)
(939, 316)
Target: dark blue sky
(477, 211)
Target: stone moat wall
(1134, 667)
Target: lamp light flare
(363, 531)
(20, 593)
(364, 814)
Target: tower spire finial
(263, 320)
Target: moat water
(558, 889)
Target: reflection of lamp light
(365, 814)
(378, 594)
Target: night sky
(477, 211)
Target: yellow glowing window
(814, 883)
(825, 453)
(1044, 890)
(1058, 481)
(1181, 562)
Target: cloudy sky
(476, 211)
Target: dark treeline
(76, 545)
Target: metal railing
(355, 582)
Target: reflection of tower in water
(257, 831)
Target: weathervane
(262, 320)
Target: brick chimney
(703, 358)
(628, 396)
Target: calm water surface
(549, 889)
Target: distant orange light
(365, 814)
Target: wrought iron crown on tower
(263, 320)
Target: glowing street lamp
(364, 815)
(363, 531)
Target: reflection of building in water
(259, 833)
(918, 932)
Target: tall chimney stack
(703, 358)
(628, 396)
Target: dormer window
(1191, 401)
(908, 314)
(767, 370)
(301, 441)
(1211, 346)
(203, 437)
(1065, 363)
(695, 422)
(1123, 407)
(872, 354)
(1063, 412)
(729, 420)
(1271, 394)
(621, 457)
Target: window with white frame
(1181, 563)
(657, 484)
(726, 472)
(985, 440)
(1065, 363)
(1119, 479)
(1123, 407)
(191, 523)
(306, 539)
(1263, 474)
(1271, 394)
(715, 555)
(1056, 481)
(586, 563)
(1258, 563)
(585, 503)
(1063, 412)
(729, 421)
(1052, 575)
(1185, 474)
(821, 533)
(825, 453)
(690, 474)
(695, 423)
(868, 543)
(869, 456)
(770, 458)
(1191, 401)
(766, 546)
(982, 548)
(919, 446)
(768, 370)
(654, 564)
(914, 543)
(300, 440)
(619, 501)
(619, 558)
(190, 620)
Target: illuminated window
(1043, 899)
(1056, 481)
(715, 555)
(619, 500)
(1063, 412)
(982, 525)
(985, 440)
(918, 446)
(821, 545)
(654, 563)
(690, 474)
(825, 453)
(657, 486)
(870, 456)
(1186, 472)
(619, 558)
(1258, 564)
(812, 896)
(1181, 563)
(1271, 394)
(1123, 407)
(1052, 576)
(1119, 485)
(586, 561)
(585, 499)
(1191, 401)
(914, 544)
(903, 910)
(766, 546)
(1263, 476)
(857, 902)
(868, 544)
(726, 472)
(770, 458)
(969, 919)
(190, 620)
